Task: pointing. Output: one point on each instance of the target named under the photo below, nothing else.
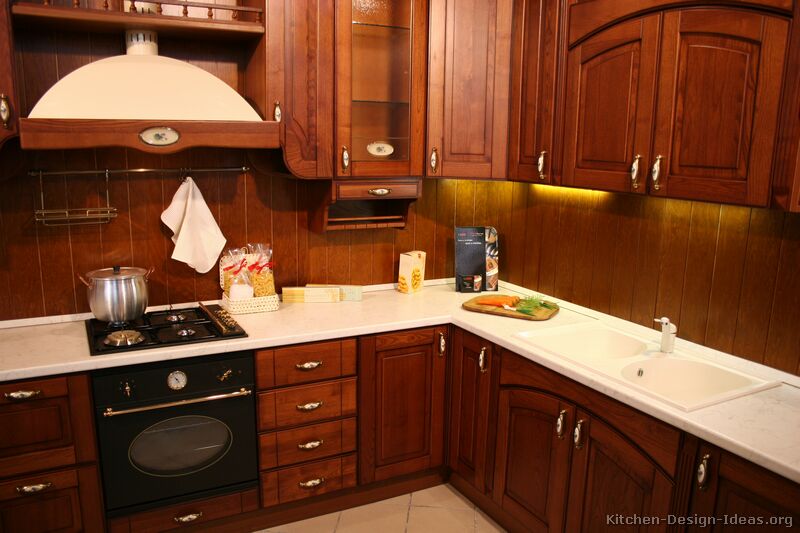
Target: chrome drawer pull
(310, 445)
(185, 519)
(241, 392)
(33, 489)
(23, 394)
(312, 483)
(308, 365)
(380, 192)
(310, 406)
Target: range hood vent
(142, 85)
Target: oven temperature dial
(176, 380)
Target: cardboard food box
(477, 259)
(411, 273)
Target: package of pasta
(260, 267)
(231, 264)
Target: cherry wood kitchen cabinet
(468, 88)
(727, 485)
(534, 52)
(471, 380)
(380, 87)
(8, 94)
(706, 82)
(401, 402)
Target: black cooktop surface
(163, 328)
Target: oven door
(165, 452)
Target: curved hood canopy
(142, 85)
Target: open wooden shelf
(98, 20)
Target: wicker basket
(257, 304)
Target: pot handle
(149, 272)
(84, 281)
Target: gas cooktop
(203, 323)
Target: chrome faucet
(668, 332)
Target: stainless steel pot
(117, 294)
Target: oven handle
(241, 392)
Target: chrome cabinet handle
(308, 365)
(434, 160)
(657, 172)
(23, 395)
(702, 472)
(577, 435)
(442, 344)
(33, 489)
(310, 445)
(482, 361)
(560, 422)
(310, 406)
(345, 158)
(312, 483)
(185, 519)
(635, 172)
(277, 114)
(380, 192)
(540, 165)
(5, 110)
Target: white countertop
(763, 427)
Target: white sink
(595, 342)
(690, 384)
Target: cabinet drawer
(65, 500)
(374, 190)
(305, 363)
(305, 404)
(46, 424)
(305, 481)
(293, 446)
(189, 513)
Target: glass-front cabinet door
(380, 87)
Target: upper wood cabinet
(468, 88)
(401, 402)
(533, 89)
(680, 103)
(8, 94)
(380, 87)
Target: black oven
(175, 430)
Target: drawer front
(191, 513)
(306, 404)
(373, 190)
(306, 363)
(308, 480)
(294, 446)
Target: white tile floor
(440, 509)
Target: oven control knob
(126, 387)
(225, 376)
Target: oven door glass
(180, 446)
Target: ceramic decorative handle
(657, 172)
(277, 115)
(482, 361)
(23, 394)
(702, 472)
(5, 110)
(33, 489)
(540, 165)
(635, 172)
(185, 519)
(310, 406)
(312, 483)
(380, 192)
(308, 365)
(442, 344)
(310, 445)
(577, 435)
(434, 160)
(345, 158)
(560, 423)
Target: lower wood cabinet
(307, 480)
(401, 402)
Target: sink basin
(587, 344)
(689, 384)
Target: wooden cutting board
(539, 314)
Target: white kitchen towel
(198, 240)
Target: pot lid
(116, 273)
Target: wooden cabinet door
(609, 107)
(380, 87)
(8, 100)
(728, 485)
(469, 64)
(401, 403)
(719, 89)
(307, 112)
(533, 457)
(533, 86)
(610, 477)
(469, 417)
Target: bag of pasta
(260, 268)
(232, 263)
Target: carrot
(498, 300)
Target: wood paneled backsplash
(728, 276)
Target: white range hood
(142, 85)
